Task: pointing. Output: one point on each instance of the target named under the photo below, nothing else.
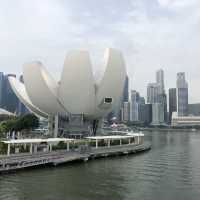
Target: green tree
(27, 122)
(9, 125)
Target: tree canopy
(26, 122)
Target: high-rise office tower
(145, 113)
(126, 111)
(172, 102)
(156, 94)
(137, 107)
(157, 113)
(162, 97)
(153, 97)
(148, 113)
(8, 99)
(116, 112)
(2, 93)
(125, 97)
(163, 101)
(160, 81)
(11, 100)
(134, 105)
(152, 93)
(141, 100)
(141, 110)
(182, 94)
(21, 107)
(142, 113)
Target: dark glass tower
(172, 102)
(125, 97)
(11, 100)
(2, 90)
(21, 107)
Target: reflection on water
(171, 170)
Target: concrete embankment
(16, 162)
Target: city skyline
(163, 106)
(155, 91)
(151, 35)
(99, 99)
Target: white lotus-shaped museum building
(77, 93)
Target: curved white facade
(21, 93)
(112, 83)
(76, 92)
(42, 88)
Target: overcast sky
(152, 34)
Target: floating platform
(54, 158)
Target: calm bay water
(171, 170)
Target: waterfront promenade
(54, 158)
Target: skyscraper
(11, 100)
(141, 110)
(145, 113)
(163, 100)
(182, 94)
(148, 113)
(21, 107)
(156, 95)
(152, 93)
(141, 100)
(137, 107)
(126, 111)
(116, 112)
(160, 81)
(134, 105)
(172, 102)
(2, 93)
(162, 97)
(8, 99)
(125, 97)
(157, 113)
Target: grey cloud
(151, 33)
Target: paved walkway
(25, 160)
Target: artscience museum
(77, 93)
